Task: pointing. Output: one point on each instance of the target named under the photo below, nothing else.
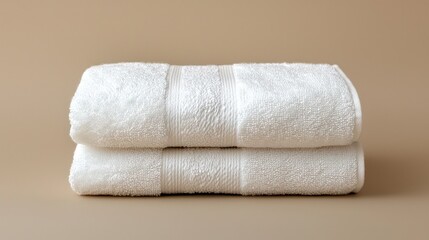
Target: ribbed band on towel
(245, 105)
(201, 106)
(199, 171)
(151, 172)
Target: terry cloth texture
(246, 171)
(246, 105)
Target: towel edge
(360, 168)
(356, 101)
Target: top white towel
(245, 105)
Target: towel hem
(358, 110)
(360, 168)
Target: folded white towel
(245, 105)
(247, 171)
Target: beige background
(45, 46)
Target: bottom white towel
(151, 172)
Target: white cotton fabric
(100, 171)
(246, 105)
(295, 105)
(121, 105)
(152, 172)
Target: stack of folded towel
(250, 129)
